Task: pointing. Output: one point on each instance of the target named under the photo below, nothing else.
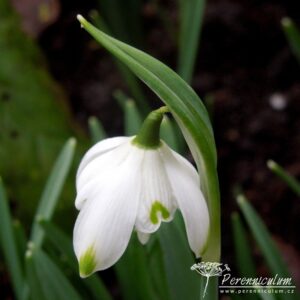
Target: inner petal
(156, 203)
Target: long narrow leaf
(124, 19)
(191, 18)
(36, 290)
(263, 238)
(133, 119)
(52, 283)
(63, 243)
(188, 111)
(288, 179)
(134, 261)
(9, 246)
(265, 242)
(53, 189)
(182, 282)
(20, 239)
(132, 116)
(266, 296)
(131, 81)
(157, 269)
(292, 34)
(244, 259)
(97, 131)
(167, 133)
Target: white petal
(143, 237)
(104, 225)
(184, 181)
(99, 149)
(156, 202)
(99, 167)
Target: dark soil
(244, 63)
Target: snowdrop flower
(133, 183)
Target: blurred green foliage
(292, 34)
(34, 119)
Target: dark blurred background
(244, 64)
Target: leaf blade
(52, 283)
(53, 189)
(244, 260)
(263, 238)
(9, 245)
(191, 18)
(96, 129)
(63, 243)
(292, 34)
(287, 178)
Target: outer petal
(104, 225)
(185, 184)
(99, 149)
(99, 167)
(156, 202)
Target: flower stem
(148, 136)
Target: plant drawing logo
(243, 285)
(209, 269)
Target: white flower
(121, 187)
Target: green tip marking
(87, 262)
(158, 207)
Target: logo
(209, 269)
(243, 285)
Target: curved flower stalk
(127, 183)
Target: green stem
(148, 136)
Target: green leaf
(191, 18)
(265, 242)
(263, 239)
(292, 34)
(20, 238)
(178, 259)
(188, 111)
(97, 131)
(9, 246)
(212, 288)
(157, 269)
(133, 119)
(134, 261)
(266, 296)
(34, 116)
(168, 134)
(63, 244)
(131, 80)
(46, 280)
(52, 190)
(209, 101)
(132, 116)
(124, 19)
(36, 290)
(244, 259)
(288, 179)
